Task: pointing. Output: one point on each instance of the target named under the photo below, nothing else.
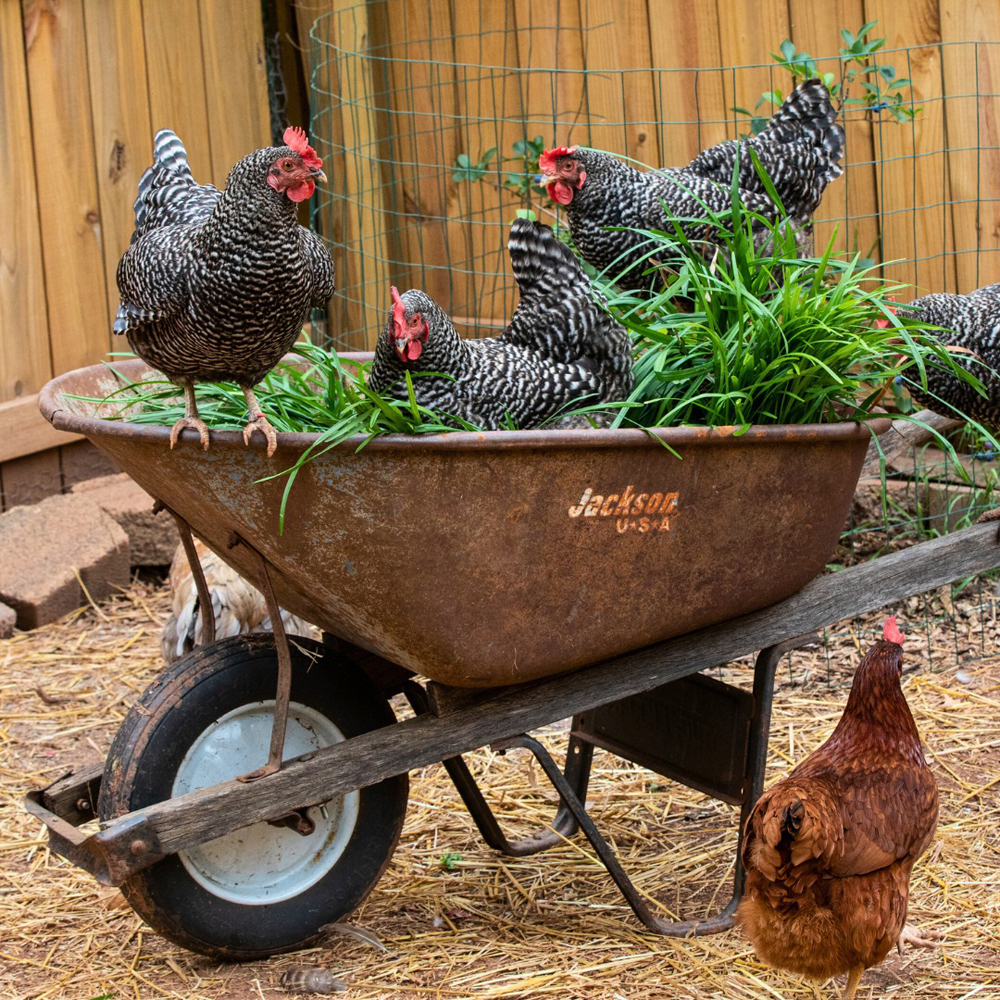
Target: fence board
(617, 57)
(122, 136)
(851, 199)
(691, 103)
(239, 118)
(426, 142)
(973, 134)
(176, 73)
(910, 161)
(24, 346)
(549, 37)
(79, 328)
(489, 102)
(745, 43)
(23, 430)
(349, 123)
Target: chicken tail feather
(809, 112)
(541, 262)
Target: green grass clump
(743, 335)
(329, 398)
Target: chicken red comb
(547, 161)
(890, 632)
(297, 141)
(398, 309)
(881, 324)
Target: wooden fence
(401, 89)
(86, 83)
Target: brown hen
(239, 607)
(829, 850)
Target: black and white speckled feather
(973, 322)
(491, 380)
(168, 194)
(216, 285)
(800, 149)
(560, 314)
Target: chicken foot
(916, 938)
(190, 419)
(258, 422)
(853, 981)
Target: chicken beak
(318, 175)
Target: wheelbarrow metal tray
(484, 559)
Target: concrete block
(8, 619)
(48, 550)
(153, 538)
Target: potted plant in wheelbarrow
(476, 559)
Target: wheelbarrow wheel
(265, 888)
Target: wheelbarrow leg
(283, 694)
(197, 571)
(578, 759)
(763, 690)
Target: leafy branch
(881, 90)
(522, 184)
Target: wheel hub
(263, 863)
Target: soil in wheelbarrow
(459, 921)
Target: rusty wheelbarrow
(562, 573)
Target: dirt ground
(551, 925)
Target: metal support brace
(572, 788)
(578, 758)
(197, 571)
(284, 692)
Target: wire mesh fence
(432, 117)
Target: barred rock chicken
(560, 314)
(239, 607)
(971, 322)
(561, 349)
(215, 285)
(829, 850)
(800, 150)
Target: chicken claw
(260, 423)
(196, 424)
(917, 939)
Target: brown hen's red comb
(547, 161)
(890, 632)
(297, 141)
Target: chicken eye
(287, 165)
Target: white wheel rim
(261, 863)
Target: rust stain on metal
(735, 524)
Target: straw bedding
(458, 920)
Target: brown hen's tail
(790, 829)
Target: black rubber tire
(147, 752)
